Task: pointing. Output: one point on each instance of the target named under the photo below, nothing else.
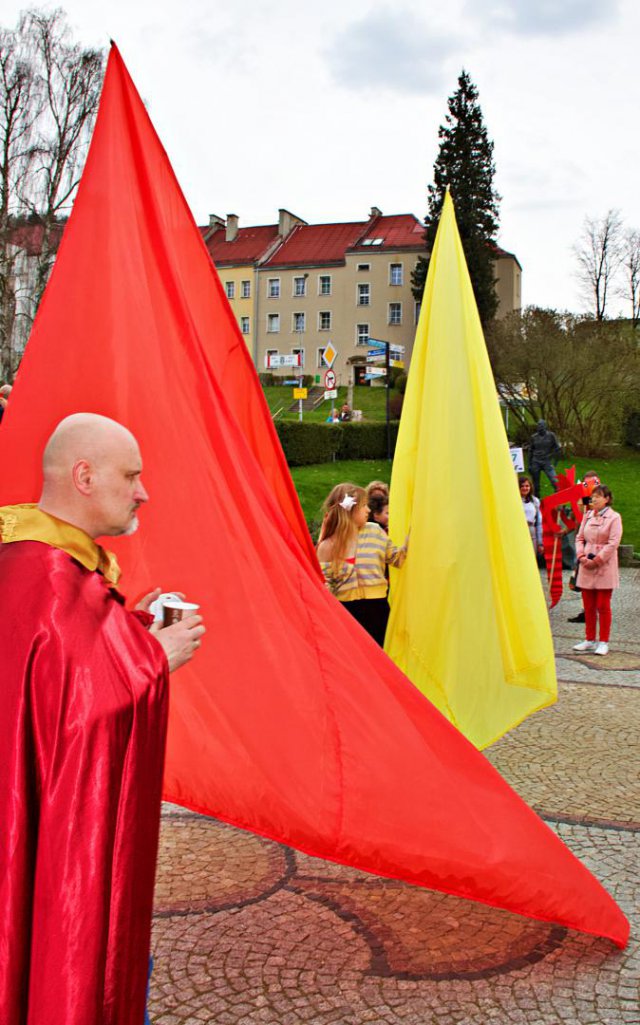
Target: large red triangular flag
(291, 722)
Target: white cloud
(547, 17)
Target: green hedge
(306, 443)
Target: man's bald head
(91, 475)
(83, 436)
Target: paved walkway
(247, 931)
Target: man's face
(118, 490)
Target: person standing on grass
(597, 545)
(353, 556)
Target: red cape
(84, 703)
(290, 721)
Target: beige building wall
(508, 285)
(236, 281)
(333, 306)
(333, 295)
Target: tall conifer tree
(465, 164)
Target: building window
(298, 322)
(362, 334)
(416, 311)
(230, 288)
(300, 286)
(245, 325)
(364, 266)
(273, 323)
(324, 321)
(267, 356)
(395, 274)
(364, 295)
(320, 354)
(372, 242)
(395, 313)
(245, 290)
(324, 284)
(300, 352)
(273, 288)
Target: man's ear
(82, 476)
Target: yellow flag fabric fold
(468, 624)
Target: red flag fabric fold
(290, 722)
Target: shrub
(305, 443)
(367, 440)
(267, 379)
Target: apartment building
(295, 287)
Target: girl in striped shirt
(353, 557)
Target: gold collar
(29, 523)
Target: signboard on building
(274, 360)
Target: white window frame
(364, 267)
(230, 289)
(295, 351)
(296, 294)
(273, 288)
(359, 287)
(360, 340)
(245, 321)
(321, 314)
(320, 357)
(400, 268)
(393, 322)
(269, 352)
(245, 289)
(272, 318)
(321, 279)
(299, 330)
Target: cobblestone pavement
(248, 931)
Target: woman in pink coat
(597, 575)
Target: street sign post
(329, 380)
(300, 393)
(329, 354)
(331, 394)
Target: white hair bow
(348, 502)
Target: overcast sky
(329, 108)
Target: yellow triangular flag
(469, 624)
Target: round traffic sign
(329, 380)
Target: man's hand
(180, 641)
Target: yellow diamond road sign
(329, 354)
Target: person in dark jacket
(543, 449)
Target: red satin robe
(83, 723)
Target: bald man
(83, 712)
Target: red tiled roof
(29, 237)
(317, 243)
(248, 245)
(397, 231)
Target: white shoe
(587, 646)
(602, 648)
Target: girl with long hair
(353, 556)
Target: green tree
(49, 92)
(465, 165)
(551, 365)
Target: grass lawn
(370, 400)
(621, 473)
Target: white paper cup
(174, 611)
